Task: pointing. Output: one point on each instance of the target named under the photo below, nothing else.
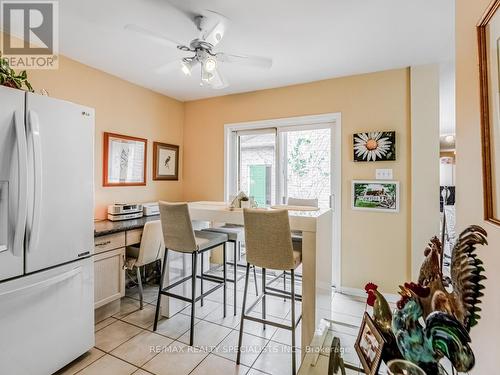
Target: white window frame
(333, 120)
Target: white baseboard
(355, 292)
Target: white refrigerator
(46, 232)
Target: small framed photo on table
(165, 161)
(369, 346)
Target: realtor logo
(30, 34)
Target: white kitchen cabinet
(109, 276)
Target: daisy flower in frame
(374, 146)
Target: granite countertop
(104, 227)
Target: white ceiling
(308, 40)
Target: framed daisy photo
(374, 146)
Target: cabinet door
(109, 277)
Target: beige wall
(372, 243)
(123, 108)
(469, 180)
(424, 159)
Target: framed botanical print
(124, 160)
(165, 161)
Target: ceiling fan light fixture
(206, 76)
(210, 64)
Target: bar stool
(235, 236)
(148, 251)
(179, 236)
(296, 235)
(269, 246)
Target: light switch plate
(383, 174)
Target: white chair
(150, 249)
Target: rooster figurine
(382, 318)
(442, 336)
(466, 278)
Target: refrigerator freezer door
(46, 319)
(60, 137)
(13, 182)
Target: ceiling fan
(212, 27)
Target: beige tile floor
(125, 343)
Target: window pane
(257, 169)
(308, 165)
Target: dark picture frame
(164, 168)
(373, 146)
(117, 155)
(369, 346)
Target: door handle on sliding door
(34, 226)
(22, 194)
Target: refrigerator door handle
(22, 169)
(34, 124)
(44, 284)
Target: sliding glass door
(257, 165)
(306, 164)
(275, 164)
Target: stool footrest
(165, 292)
(270, 322)
(282, 293)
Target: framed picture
(374, 146)
(375, 195)
(369, 346)
(124, 160)
(165, 161)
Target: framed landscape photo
(374, 146)
(369, 346)
(382, 196)
(165, 161)
(124, 160)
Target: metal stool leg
(264, 296)
(224, 268)
(240, 339)
(255, 281)
(139, 283)
(235, 279)
(293, 323)
(162, 277)
(201, 278)
(193, 296)
(284, 283)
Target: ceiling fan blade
(257, 61)
(153, 35)
(168, 67)
(213, 26)
(218, 81)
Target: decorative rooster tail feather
(466, 274)
(450, 339)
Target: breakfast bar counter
(111, 238)
(316, 227)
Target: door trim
(334, 120)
